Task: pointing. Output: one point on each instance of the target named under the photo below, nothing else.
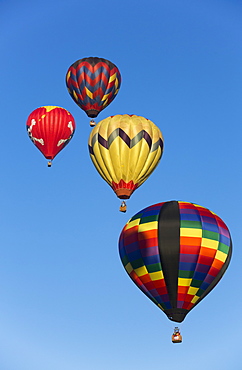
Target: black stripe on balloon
(147, 137)
(130, 142)
(169, 249)
(118, 132)
(124, 137)
(161, 144)
(156, 145)
(102, 141)
(90, 149)
(141, 135)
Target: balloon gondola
(93, 83)
(176, 336)
(123, 206)
(175, 252)
(125, 149)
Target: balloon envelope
(93, 83)
(175, 252)
(125, 149)
(50, 128)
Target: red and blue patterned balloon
(93, 83)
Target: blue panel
(204, 285)
(133, 256)
(187, 266)
(199, 276)
(151, 212)
(150, 260)
(223, 239)
(131, 247)
(190, 217)
(210, 227)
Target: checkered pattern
(204, 247)
(140, 256)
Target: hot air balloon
(125, 149)
(50, 128)
(175, 252)
(93, 83)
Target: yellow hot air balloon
(125, 149)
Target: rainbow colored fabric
(175, 252)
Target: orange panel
(148, 234)
(186, 240)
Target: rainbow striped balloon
(175, 252)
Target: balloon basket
(123, 207)
(49, 164)
(92, 123)
(176, 336)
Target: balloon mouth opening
(124, 190)
(123, 193)
(176, 314)
(92, 113)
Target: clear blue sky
(66, 302)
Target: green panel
(125, 260)
(191, 224)
(139, 215)
(152, 218)
(154, 268)
(200, 292)
(185, 274)
(223, 248)
(196, 283)
(137, 263)
(210, 235)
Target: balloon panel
(50, 128)
(175, 252)
(93, 83)
(125, 149)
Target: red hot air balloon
(50, 128)
(93, 83)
